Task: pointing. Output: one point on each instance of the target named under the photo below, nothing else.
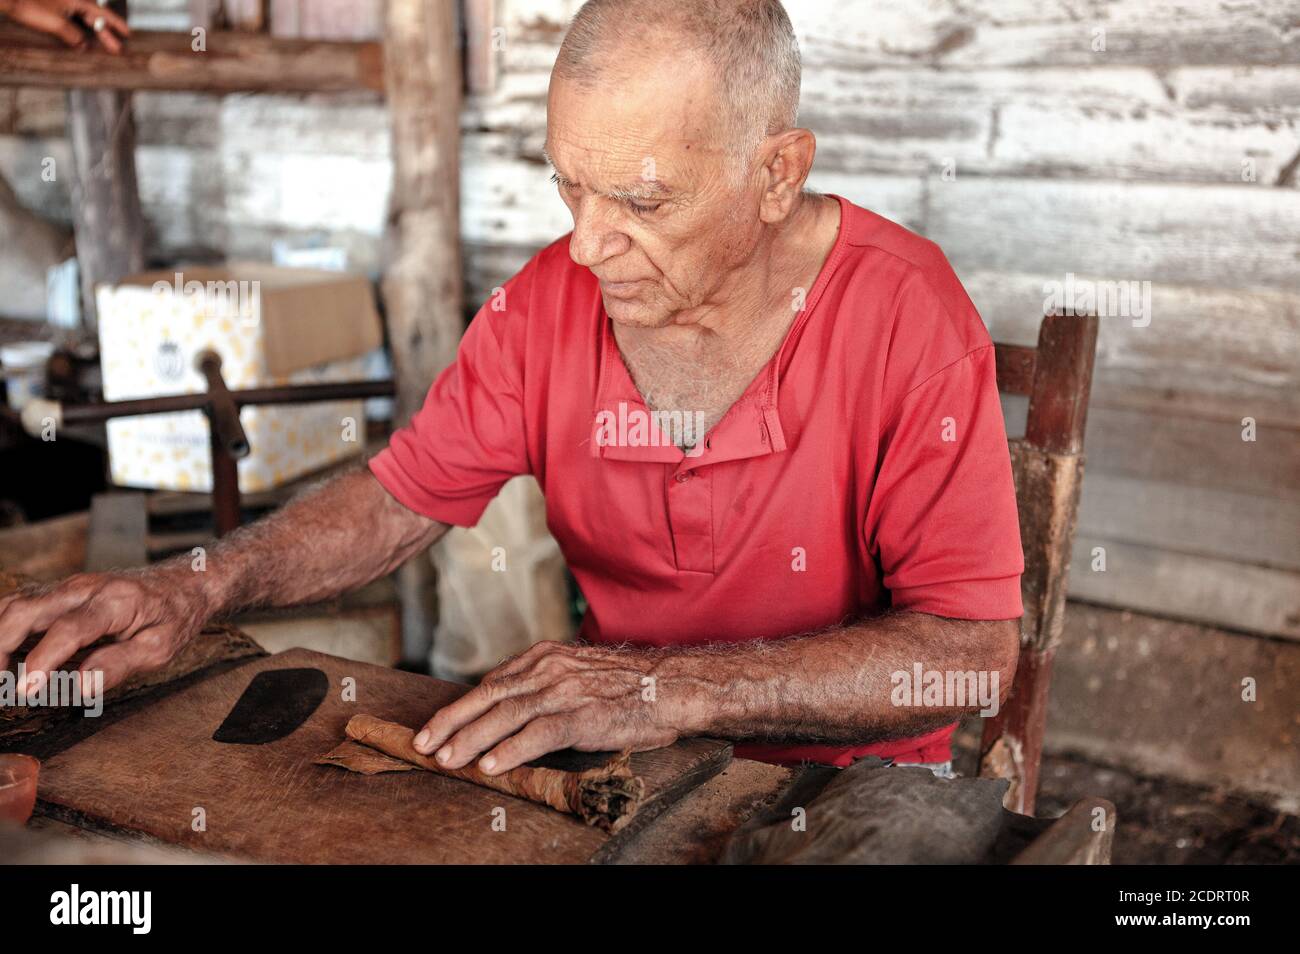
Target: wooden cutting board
(157, 771)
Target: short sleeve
(942, 520)
(469, 438)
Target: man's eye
(640, 209)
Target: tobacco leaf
(356, 757)
(606, 796)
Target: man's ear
(788, 160)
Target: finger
(547, 734)
(33, 614)
(61, 642)
(105, 25)
(500, 722)
(47, 21)
(109, 42)
(119, 661)
(455, 715)
(90, 12)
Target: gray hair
(750, 44)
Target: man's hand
(829, 688)
(338, 536)
(552, 696)
(150, 615)
(55, 18)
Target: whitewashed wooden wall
(1125, 163)
(1122, 164)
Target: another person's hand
(150, 615)
(553, 696)
(55, 17)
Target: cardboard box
(271, 326)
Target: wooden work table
(120, 788)
(104, 790)
(693, 831)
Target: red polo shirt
(865, 467)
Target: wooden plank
(119, 524)
(695, 830)
(1237, 345)
(45, 550)
(1004, 121)
(1171, 699)
(107, 220)
(1194, 451)
(1011, 746)
(1200, 588)
(1058, 400)
(1047, 493)
(1074, 838)
(1021, 122)
(1132, 231)
(423, 280)
(1024, 33)
(327, 19)
(1208, 522)
(232, 62)
(148, 772)
(422, 286)
(1015, 368)
(481, 45)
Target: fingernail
(487, 763)
(422, 739)
(444, 754)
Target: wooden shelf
(232, 63)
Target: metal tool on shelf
(221, 405)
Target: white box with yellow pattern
(271, 326)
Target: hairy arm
(837, 687)
(338, 536)
(830, 687)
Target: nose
(595, 239)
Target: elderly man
(836, 511)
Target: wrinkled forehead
(664, 114)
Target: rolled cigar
(606, 796)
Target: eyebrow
(648, 189)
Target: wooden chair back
(1047, 463)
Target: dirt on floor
(1161, 822)
(1171, 823)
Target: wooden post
(106, 213)
(422, 285)
(480, 45)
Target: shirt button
(683, 477)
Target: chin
(635, 313)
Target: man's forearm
(338, 536)
(836, 687)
